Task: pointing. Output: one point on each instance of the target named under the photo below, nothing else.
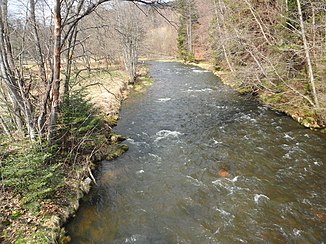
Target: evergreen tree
(188, 20)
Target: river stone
(223, 173)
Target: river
(187, 130)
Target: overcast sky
(17, 8)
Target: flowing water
(167, 188)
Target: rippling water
(166, 189)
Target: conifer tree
(188, 19)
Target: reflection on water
(206, 165)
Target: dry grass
(105, 88)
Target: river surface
(185, 129)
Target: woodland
(50, 132)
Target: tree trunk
(190, 46)
(39, 55)
(69, 57)
(5, 128)
(56, 71)
(308, 58)
(15, 86)
(223, 31)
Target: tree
(55, 90)
(14, 92)
(274, 49)
(307, 54)
(130, 31)
(160, 33)
(187, 21)
(31, 62)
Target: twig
(91, 175)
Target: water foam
(133, 142)
(165, 99)
(195, 181)
(258, 196)
(162, 134)
(200, 90)
(140, 171)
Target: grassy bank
(41, 186)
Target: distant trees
(130, 31)
(188, 19)
(38, 52)
(274, 48)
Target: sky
(17, 8)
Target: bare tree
(12, 78)
(307, 54)
(30, 99)
(56, 69)
(280, 64)
(128, 26)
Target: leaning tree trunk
(308, 58)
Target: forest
(273, 49)
(60, 60)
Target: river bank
(303, 115)
(39, 219)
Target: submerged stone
(321, 216)
(223, 172)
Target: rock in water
(321, 216)
(223, 172)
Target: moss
(244, 90)
(15, 214)
(33, 207)
(146, 81)
(271, 99)
(142, 83)
(111, 120)
(308, 121)
(115, 138)
(116, 150)
(139, 88)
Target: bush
(27, 171)
(78, 117)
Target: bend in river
(206, 165)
